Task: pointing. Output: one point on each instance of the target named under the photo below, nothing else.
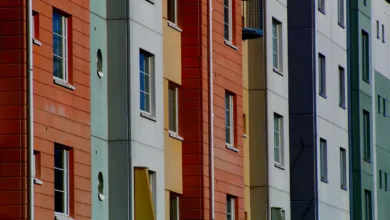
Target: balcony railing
(253, 19)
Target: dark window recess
(253, 21)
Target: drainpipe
(211, 112)
(30, 134)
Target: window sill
(367, 160)
(174, 26)
(324, 180)
(341, 25)
(100, 74)
(38, 181)
(366, 81)
(63, 83)
(175, 135)
(322, 11)
(344, 188)
(60, 216)
(231, 147)
(37, 42)
(230, 44)
(150, 1)
(342, 106)
(277, 71)
(323, 96)
(244, 135)
(148, 116)
(279, 166)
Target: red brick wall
(60, 114)
(193, 105)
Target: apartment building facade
(266, 114)
(318, 109)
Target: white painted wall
(277, 95)
(332, 120)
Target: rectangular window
(321, 6)
(244, 119)
(61, 180)
(228, 20)
(343, 168)
(383, 33)
(229, 118)
(342, 87)
(365, 2)
(368, 204)
(172, 11)
(146, 81)
(35, 25)
(322, 74)
(379, 104)
(380, 179)
(341, 12)
(384, 107)
(173, 108)
(366, 136)
(377, 29)
(174, 207)
(153, 189)
(277, 49)
(60, 46)
(323, 160)
(365, 57)
(230, 207)
(385, 175)
(278, 139)
(277, 214)
(37, 164)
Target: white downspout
(30, 119)
(211, 112)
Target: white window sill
(148, 116)
(174, 26)
(244, 135)
(37, 42)
(175, 135)
(61, 216)
(279, 166)
(150, 1)
(37, 181)
(100, 74)
(231, 147)
(277, 71)
(230, 44)
(62, 83)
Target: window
(231, 208)
(343, 168)
(368, 204)
(277, 52)
(341, 12)
(322, 74)
(60, 46)
(366, 136)
(379, 104)
(384, 107)
(277, 214)
(377, 29)
(61, 180)
(146, 81)
(365, 57)
(35, 25)
(342, 87)
(365, 2)
(153, 189)
(323, 160)
(228, 20)
(385, 175)
(321, 6)
(383, 33)
(278, 139)
(172, 11)
(36, 164)
(244, 123)
(229, 117)
(380, 179)
(173, 110)
(174, 207)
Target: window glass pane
(59, 179)
(174, 208)
(380, 179)
(59, 203)
(58, 66)
(58, 45)
(58, 24)
(172, 11)
(276, 154)
(59, 158)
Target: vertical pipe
(30, 115)
(211, 111)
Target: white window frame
(277, 53)
(343, 169)
(66, 181)
(230, 204)
(229, 8)
(176, 215)
(229, 107)
(149, 58)
(65, 52)
(174, 19)
(153, 189)
(323, 160)
(341, 12)
(175, 114)
(278, 134)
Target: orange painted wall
(193, 115)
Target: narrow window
(384, 107)
(35, 25)
(366, 136)
(230, 207)
(380, 179)
(365, 57)
(322, 75)
(277, 45)
(379, 104)
(229, 117)
(278, 139)
(61, 180)
(324, 160)
(60, 46)
(383, 33)
(172, 11)
(385, 175)
(37, 164)
(365, 2)
(343, 168)
(342, 87)
(321, 6)
(244, 119)
(341, 12)
(377, 29)
(173, 108)
(228, 20)
(174, 207)
(277, 214)
(146, 79)
(153, 189)
(368, 204)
